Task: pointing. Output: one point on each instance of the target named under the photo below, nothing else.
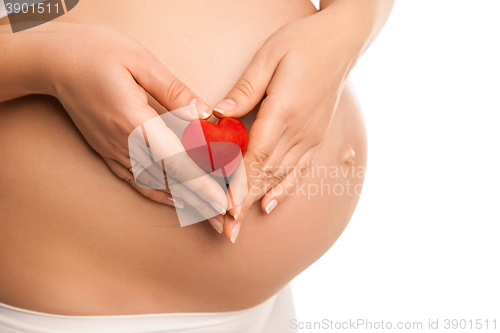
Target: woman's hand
(302, 69)
(102, 78)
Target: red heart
(216, 147)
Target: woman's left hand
(302, 69)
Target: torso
(77, 240)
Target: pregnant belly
(76, 240)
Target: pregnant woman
(83, 248)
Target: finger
(231, 228)
(155, 195)
(166, 147)
(156, 171)
(218, 223)
(232, 224)
(139, 153)
(153, 178)
(237, 188)
(250, 88)
(143, 176)
(280, 192)
(202, 207)
(264, 136)
(287, 187)
(237, 193)
(149, 173)
(167, 89)
(141, 157)
(295, 160)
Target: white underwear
(271, 316)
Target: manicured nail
(169, 202)
(219, 110)
(225, 105)
(199, 109)
(270, 206)
(216, 224)
(218, 207)
(235, 232)
(177, 203)
(237, 210)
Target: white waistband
(273, 315)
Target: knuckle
(142, 58)
(175, 89)
(271, 178)
(303, 171)
(173, 167)
(204, 209)
(245, 87)
(176, 190)
(156, 185)
(143, 54)
(285, 112)
(260, 157)
(173, 184)
(122, 129)
(130, 180)
(199, 206)
(138, 55)
(258, 160)
(267, 178)
(282, 112)
(206, 190)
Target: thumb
(168, 90)
(251, 86)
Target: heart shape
(216, 148)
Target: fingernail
(235, 232)
(225, 105)
(216, 224)
(218, 207)
(169, 201)
(199, 109)
(192, 111)
(177, 203)
(219, 110)
(270, 206)
(237, 211)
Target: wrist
(24, 57)
(355, 23)
(49, 67)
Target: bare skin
(78, 240)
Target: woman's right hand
(102, 77)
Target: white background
(424, 242)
